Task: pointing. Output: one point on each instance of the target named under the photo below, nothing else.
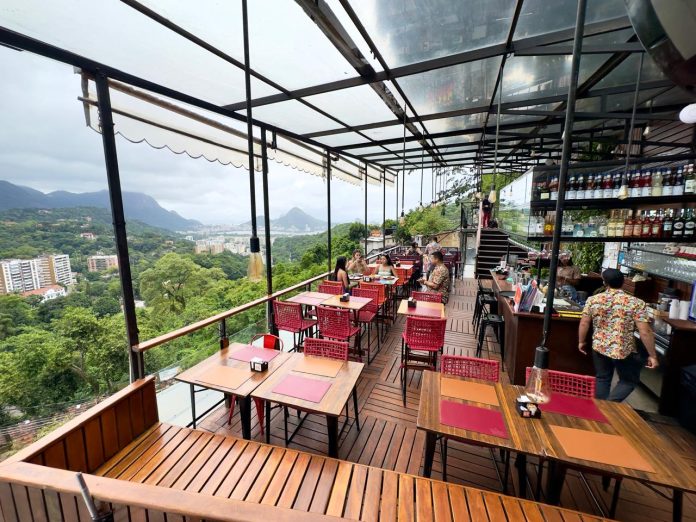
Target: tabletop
(334, 400)
(353, 303)
(310, 298)
(521, 432)
(406, 266)
(422, 309)
(197, 374)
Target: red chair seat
(365, 316)
(341, 337)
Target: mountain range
(136, 205)
(294, 220)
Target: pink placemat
(426, 311)
(312, 390)
(574, 407)
(473, 418)
(248, 353)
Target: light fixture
(402, 219)
(647, 130)
(493, 196)
(255, 270)
(623, 190)
(688, 113)
(537, 389)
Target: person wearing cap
(614, 316)
(567, 275)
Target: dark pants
(628, 370)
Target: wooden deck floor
(389, 438)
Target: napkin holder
(411, 302)
(256, 364)
(527, 409)
(344, 298)
(397, 264)
(367, 278)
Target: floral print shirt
(614, 315)
(441, 277)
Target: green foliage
(587, 256)
(429, 221)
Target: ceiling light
(688, 114)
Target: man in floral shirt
(614, 315)
(439, 278)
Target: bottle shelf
(641, 248)
(609, 239)
(614, 203)
(660, 273)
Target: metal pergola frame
(512, 150)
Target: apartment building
(25, 275)
(101, 263)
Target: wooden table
(522, 439)
(405, 266)
(535, 437)
(310, 298)
(420, 307)
(196, 376)
(354, 303)
(331, 405)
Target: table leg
(193, 405)
(554, 482)
(245, 415)
(677, 505)
(430, 440)
(332, 427)
(521, 465)
(355, 407)
(268, 422)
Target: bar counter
(523, 332)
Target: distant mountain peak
(294, 220)
(137, 205)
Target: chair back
(269, 341)
(330, 289)
(424, 333)
(402, 274)
(326, 348)
(379, 287)
(287, 314)
(372, 306)
(332, 283)
(429, 297)
(570, 383)
(471, 367)
(334, 323)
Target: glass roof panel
(113, 34)
(451, 88)
(409, 32)
(353, 33)
(674, 96)
(468, 121)
(279, 43)
(457, 140)
(354, 106)
(293, 116)
(539, 17)
(386, 133)
(345, 138)
(627, 71)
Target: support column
(328, 206)
(366, 232)
(137, 368)
(384, 209)
(267, 232)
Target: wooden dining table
(330, 405)
(422, 309)
(220, 371)
(310, 298)
(655, 460)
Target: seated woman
(413, 250)
(385, 267)
(357, 264)
(340, 274)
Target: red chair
(382, 301)
(401, 285)
(472, 368)
(270, 342)
(368, 316)
(330, 289)
(336, 324)
(428, 297)
(288, 317)
(328, 282)
(570, 383)
(425, 336)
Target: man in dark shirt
(486, 212)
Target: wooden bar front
(523, 332)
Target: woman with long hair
(340, 274)
(386, 267)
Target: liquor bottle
(611, 224)
(548, 225)
(581, 186)
(602, 226)
(646, 227)
(637, 225)
(616, 184)
(544, 187)
(656, 230)
(591, 227)
(678, 189)
(689, 224)
(678, 226)
(572, 191)
(634, 184)
(645, 183)
(553, 187)
(657, 182)
(589, 186)
(598, 186)
(668, 224)
(667, 182)
(607, 185)
(619, 223)
(690, 180)
(567, 226)
(628, 224)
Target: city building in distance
(101, 263)
(26, 275)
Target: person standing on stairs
(486, 208)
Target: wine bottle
(607, 185)
(690, 180)
(637, 225)
(667, 182)
(678, 226)
(572, 191)
(656, 230)
(657, 182)
(646, 227)
(634, 184)
(616, 182)
(581, 186)
(628, 224)
(689, 224)
(667, 224)
(645, 183)
(678, 189)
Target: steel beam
(267, 233)
(552, 50)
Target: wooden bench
(139, 468)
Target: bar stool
(486, 304)
(480, 293)
(496, 322)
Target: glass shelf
(661, 265)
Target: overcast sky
(45, 145)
